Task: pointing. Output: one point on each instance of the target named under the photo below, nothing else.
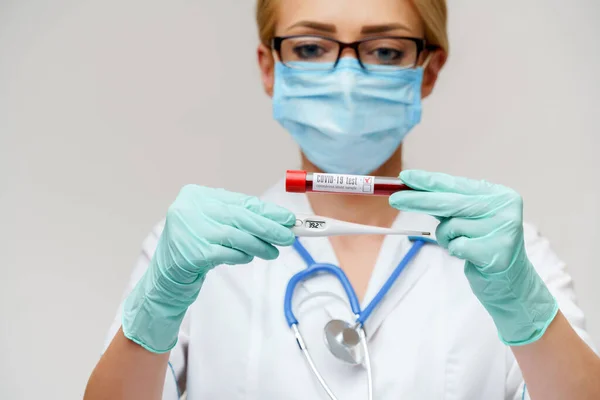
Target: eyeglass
(324, 53)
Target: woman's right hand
(204, 228)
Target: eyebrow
(372, 29)
(330, 28)
(366, 30)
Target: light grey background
(108, 107)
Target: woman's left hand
(482, 223)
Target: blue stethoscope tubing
(314, 268)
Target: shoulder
(151, 240)
(540, 252)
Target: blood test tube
(301, 182)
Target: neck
(368, 210)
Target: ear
(437, 59)
(266, 63)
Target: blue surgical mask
(347, 120)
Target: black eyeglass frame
(420, 43)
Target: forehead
(349, 16)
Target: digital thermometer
(316, 226)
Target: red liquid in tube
(302, 182)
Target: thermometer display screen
(315, 224)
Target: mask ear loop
(427, 60)
(275, 55)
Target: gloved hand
(482, 223)
(204, 228)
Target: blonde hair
(434, 14)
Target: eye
(308, 51)
(391, 51)
(387, 55)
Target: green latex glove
(482, 223)
(204, 228)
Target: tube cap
(295, 181)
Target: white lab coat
(429, 339)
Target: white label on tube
(342, 183)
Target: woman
(435, 335)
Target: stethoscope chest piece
(344, 341)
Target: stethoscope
(346, 341)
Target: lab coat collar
(334, 300)
(392, 251)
